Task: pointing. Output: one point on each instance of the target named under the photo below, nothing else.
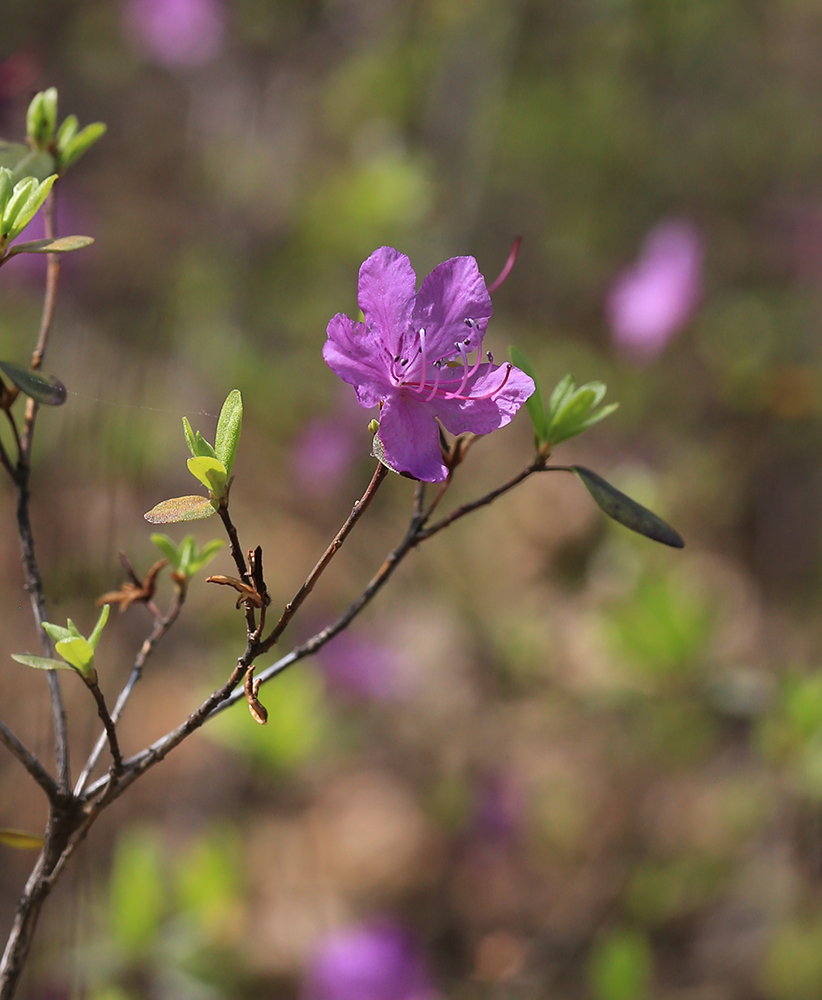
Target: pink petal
(481, 416)
(453, 292)
(411, 438)
(386, 291)
(358, 358)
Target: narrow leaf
(40, 662)
(205, 555)
(228, 429)
(78, 652)
(211, 473)
(594, 418)
(534, 403)
(56, 632)
(74, 632)
(94, 638)
(562, 391)
(21, 840)
(168, 548)
(81, 143)
(204, 449)
(190, 439)
(181, 509)
(187, 547)
(65, 244)
(33, 202)
(66, 132)
(43, 388)
(24, 161)
(627, 511)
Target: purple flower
(358, 667)
(368, 963)
(181, 34)
(656, 297)
(400, 357)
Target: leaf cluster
(68, 144)
(76, 650)
(186, 559)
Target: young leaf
(23, 161)
(65, 244)
(43, 388)
(6, 188)
(204, 449)
(190, 439)
(205, 555)
(41, 662)
(35, 199)
(80, 144)
(168, 548)
(563, 390)
(228, 429)
(211, 473)
(20, 840)
(627, 511)
(94, 638)
(56, 632)
(78, 652)
(181, 509)
(74, 632)
(66, 132)
(187, 547)
(21, 193)
(534, 403)
(571, 414)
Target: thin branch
(240, 563)
(14, 431)
(359, 508)
(4, 461)
(108, 725)
(29, 761)
(161, 626)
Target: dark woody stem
(239, 562)
(359, 508)
(108, 725)
(28, 760)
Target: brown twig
(359, 508)
(108, 725)
(29, 761)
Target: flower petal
(451, 294)
(411, 438)
(352, 353)
(386, 291)
(481, 416)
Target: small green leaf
(181, 509)
(627, 511)
(94, 638)
(29, 209)
(21, 840)
(205, 555)
(187, 547)
(20, 195)
(6, 188)
(168, 548)
(190, 439)
(56, 632)
(74, 632)
(41, 662)
(204, 449)
(23, 161)
(65, 244)
(563, 390)
(66, 132)
(41, 118)
(594, 418)
(211, 473)
(78, 652)
(571, 414)
(228, 429)
(80, 144)
(534, 403)
(43, 388)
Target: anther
(490, 357)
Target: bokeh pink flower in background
(379, 962)
(653, 299)
(178, 34)
(359, 668)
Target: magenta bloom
(653, 299)
(180, 34)
(368, 963)
(400, 357)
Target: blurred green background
(565, 762)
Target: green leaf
(35, 199)
(65, 244)
(627, 511)
(168, 548)
(66, 132)
(187, 547)
(24, 161)
(21, 193)
(211, 472)
(228, 429)
(571, 415)
(78, 652)
(21, 840)
(534, 403)
(94, 638)
(81, 143)
(621, 966)
(43, 388)
(563, 390)
(204, 449)
(56, 632)
(190, 439)
(74, 632)
(6, 188)
(41, 118)
(205, 555)
(594, 418)
(41, 662)
(181, 509)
